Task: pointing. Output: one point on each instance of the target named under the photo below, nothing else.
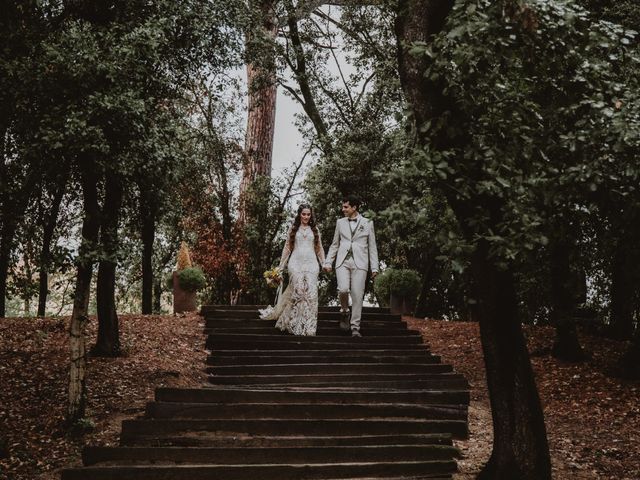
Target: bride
(296, 310)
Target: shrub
(401, 282)
(191, 279)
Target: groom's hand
(327, 269)
(374, 275)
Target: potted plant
(400, 287)
(187, 280)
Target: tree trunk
(14, 205)
(8, 234)
(520, 449)
(624, 286)
(157, 295)
(262, 91)
(299, 67)
(563, 303)
(45, 254)
(148, 237)
(4, 448)
(629, 363)
(79, 316)
(108, 340)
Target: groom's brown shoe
(356, 333)
(345, 320)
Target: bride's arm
(320, 250)
(285, 252)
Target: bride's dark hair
(296, 225)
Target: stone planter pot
(409, 305)
(183, 300)
(396, 304)
(401, 305)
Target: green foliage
(524, 133)
(106, 86)
(191, 279)
(269, 215)
(401, 282)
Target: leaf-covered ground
(593, 420)
(160, 350)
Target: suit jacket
(362, 244)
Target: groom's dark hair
(353, 201)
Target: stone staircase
(282, 407)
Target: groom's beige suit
(354, 251)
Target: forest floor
(593, 420)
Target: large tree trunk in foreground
(90, 228)
(45, 254)
(108, 340)
(520, 449)
(262, 90)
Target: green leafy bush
(191, 279)
(401, 282)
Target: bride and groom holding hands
(354, 251)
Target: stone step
(291, 342)
(278, 369)
(272, 330)
(409, 382)
(223, 359)
(321, 308)
(330, 353)
(213, 439)
(233, 395)
(310, 339)
(151, 428)
(311, 471)
(236, 322)
(303, 410)
(255, 315)
(266, 455)
(214, 344)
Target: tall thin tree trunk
(108, 340)
(79, 316)
(157, 295)
(262, 91)
(14, 204)
(6, 242)
(299, 67)
(148, 237)
(520, 449)
(629, 364)
(563, 306)
(624, 284)
(45, 254)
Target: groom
(354, 249)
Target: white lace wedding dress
(296, 309)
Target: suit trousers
(351, 280)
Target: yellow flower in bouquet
(273, 277)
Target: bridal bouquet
(273, 277)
